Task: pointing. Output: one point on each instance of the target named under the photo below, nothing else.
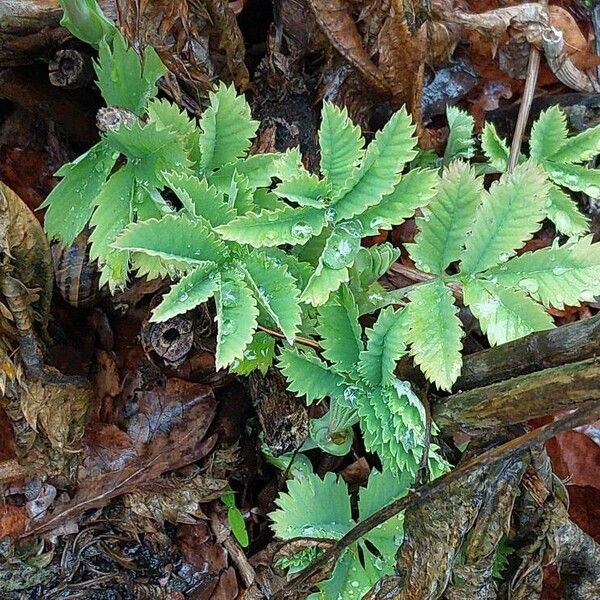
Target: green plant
(318, 508)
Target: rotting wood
(520, 399)
(545, 349)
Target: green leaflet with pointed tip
(342, 146)
(174, 237)
(494, 147)
(258, 168)
(555, 276)
(578, 148)
(322, 282)
(460, 139)
(565, 214)
(227, 128)
(152, 149)
(200, 199)
(504, 314)
(548, 133)
(276, 291)
(575, 177)
(259, 355)
(340, 331)
(308, 375)
(286, 225)
(237, 315)
(447, 219)
(112, 214)
(289, 164)
(193, 289)
(511, 212)
(386, 343)
(435, 333)
(304, 189)
(71, 203)
(380, 169)
(392, 420)
(122, 78)
(414, 190)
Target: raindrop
(529, 285)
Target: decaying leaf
(167, 432)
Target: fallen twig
(311, 575)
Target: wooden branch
(520, 399)
(18, 17)
(568, 343)
(296, 588)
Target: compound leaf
(386, 343)
(380, 169)
(193, 289)
(227, 128)
(342, 146)
(510, 214)
(447, 219)
(308, 375)
(504, 314)
(434, 332)
(460, 139)
(548, 133)
(237, 315)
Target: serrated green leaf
(382, 489)
(308, 375)
(192, 290)
(392, 420)
(575, 177)
(152, 150)
(349, 579)
(447, 219)
(435, 333)
(227, 128)
(414, 190)
(504, 315)
(313, 508)
(287, 225)
(555, 276)
(380, 169)
(122, 79)
(342, 145)
(289, 164)
(71, 202)
(372, 263)
(86, 21)
(509, 215)
(200, 199)
(174, 237)
(258, 355)
(322, 282)
(494, 147)
(340, 331)
(258, 168)
(578, 148)
(565, 215)
(112, 214)
(386, 343)
(548, 133)
(237, 315)
(460, 139)
(342, 245)
(240, 195)
(304, 189)
(276, 291)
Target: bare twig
(311, 575)
(300, 340)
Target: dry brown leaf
(577, 46)
(167, 432)
(338, 24)
(58, 408)
(13, 520)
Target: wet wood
(520, 399)
(569, 343)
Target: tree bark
(520, 399)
